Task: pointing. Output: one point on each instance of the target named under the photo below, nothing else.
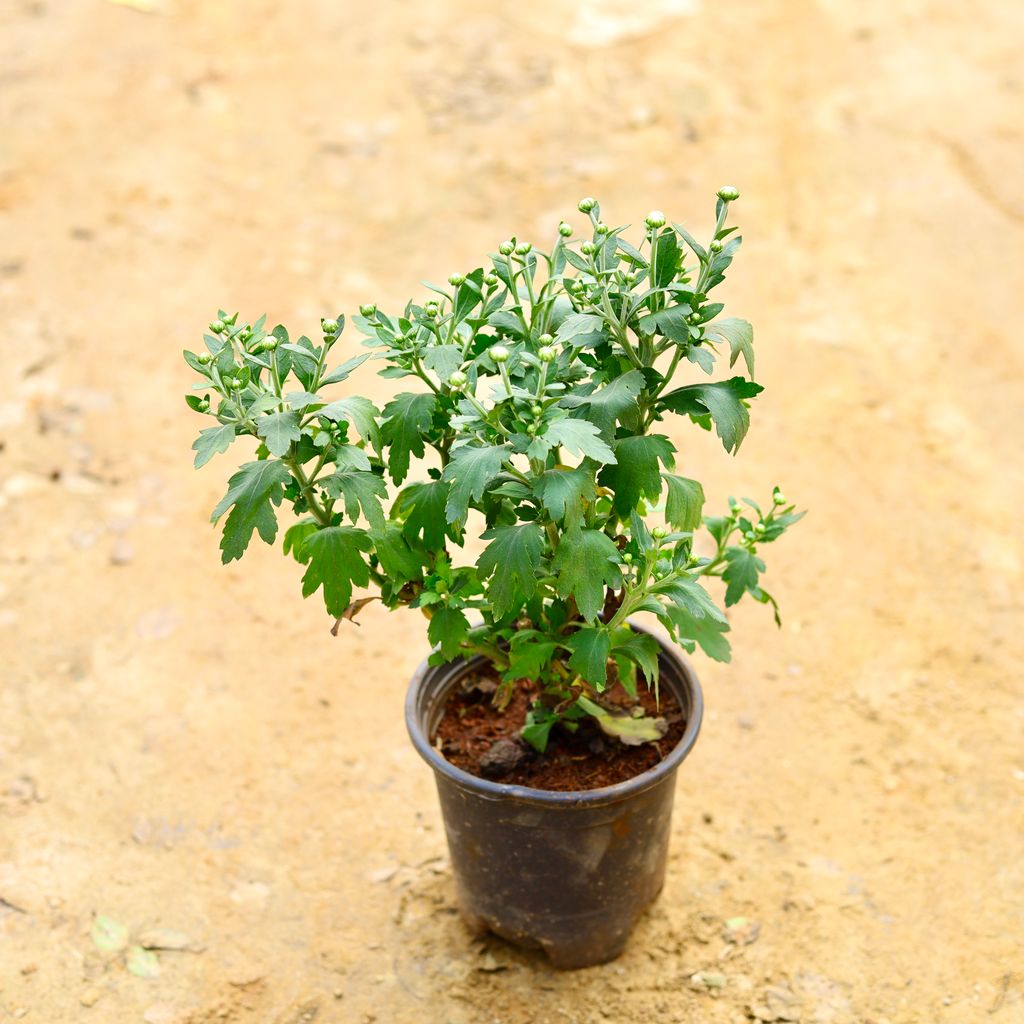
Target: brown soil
(585, 759)
(185, 745)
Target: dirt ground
(185, 748)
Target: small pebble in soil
(90, 997)
(504, 756)
(741, 931)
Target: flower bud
(498, 353)
(759, 529)
(588, 248)
(491, 280)
(217, 326)
(729, 193)
(565, 229)
(458, 380)
(506, 248)
(269, 343)
(367, 309)
(546, 354)
(330, 325)
(655, 219)
(586, 205)
(205, 358)
(693, 318)
(456, 279)
(431, 309)
(659, 532)
(535, 410)
(523, 248)
(627, 558)
(204, 405)
(601, 228)
(750, 535)
(715, 246)
(236, 384)
(779, 498)
(546, 339)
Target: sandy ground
(185, 747)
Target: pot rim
(548, 797)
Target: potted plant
(534, 394)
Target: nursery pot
(567, 872)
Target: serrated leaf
(580, 330)
(407, 418)
(666, 259)
(212, 441)
(723, 400)
(741, 574)
(590, 649)
(361, 491)
(471, 469)
(528, 656)
(295, 538)
(704, 630)
(685, 502)
(687, 593)
(671, 322)
(581, 437)
(399, 562)
(444, 360)
(584, 564)
(513, 556)
(358, 411)
(637, 473)
(252, 491)
(447, 628)
(563, 493)
(335, 563)
(740, 336)
(422, 506)
(108, 935)
(611, 403)
(642, 650)
(278, 431)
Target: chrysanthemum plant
(536, 389)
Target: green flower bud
(205, 358)
(498, 353)
(601, 228)
(693, 318)
(750, 535)
(458, 380)
(231, 319)
(546, 339)
(506, 248)
(204, 405)
(367, 309)
(778, 497)
(759, 529)
(491, 280)
(330, 325)
(431, 309)
(715, 246)
(236, 384)
(535, 410)
(659, 533)
(588, 248)
(269, 343)
(586, 205)
(627, 558)
(565, 229)
(532, 430)
(245, 334)
(523, 248)
(546, 354)
(456, 279)
(655, 219)
(217, 326)
(729, 193)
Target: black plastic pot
(569, 873)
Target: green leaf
(468, 295)
(580, 330)
(143, 963)
(740, 335)
(671, 322)
(741, 574)
(278, 431)
(642, 650)
(212, 441)
(447, 629)
(252, 491)
(361, 490)
(584, 564)
(612, 402)
(422, 507)
(513, 556)
(590, 649)
(528, 656)
(444, 360)
(348, 456)
(335, 563)
(340, 373)
(581, 437)
(563, 492)
(666, 259)
(295, 538)
(687, 593)
(539, 723)
(704, 630)
(637, 474)
(723, 400)
(406, 419)
(685, 502)
(358, 411)
(108, 935)
(471, 469)
(631, 730)
(399, 562)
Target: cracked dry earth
(186, 752)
